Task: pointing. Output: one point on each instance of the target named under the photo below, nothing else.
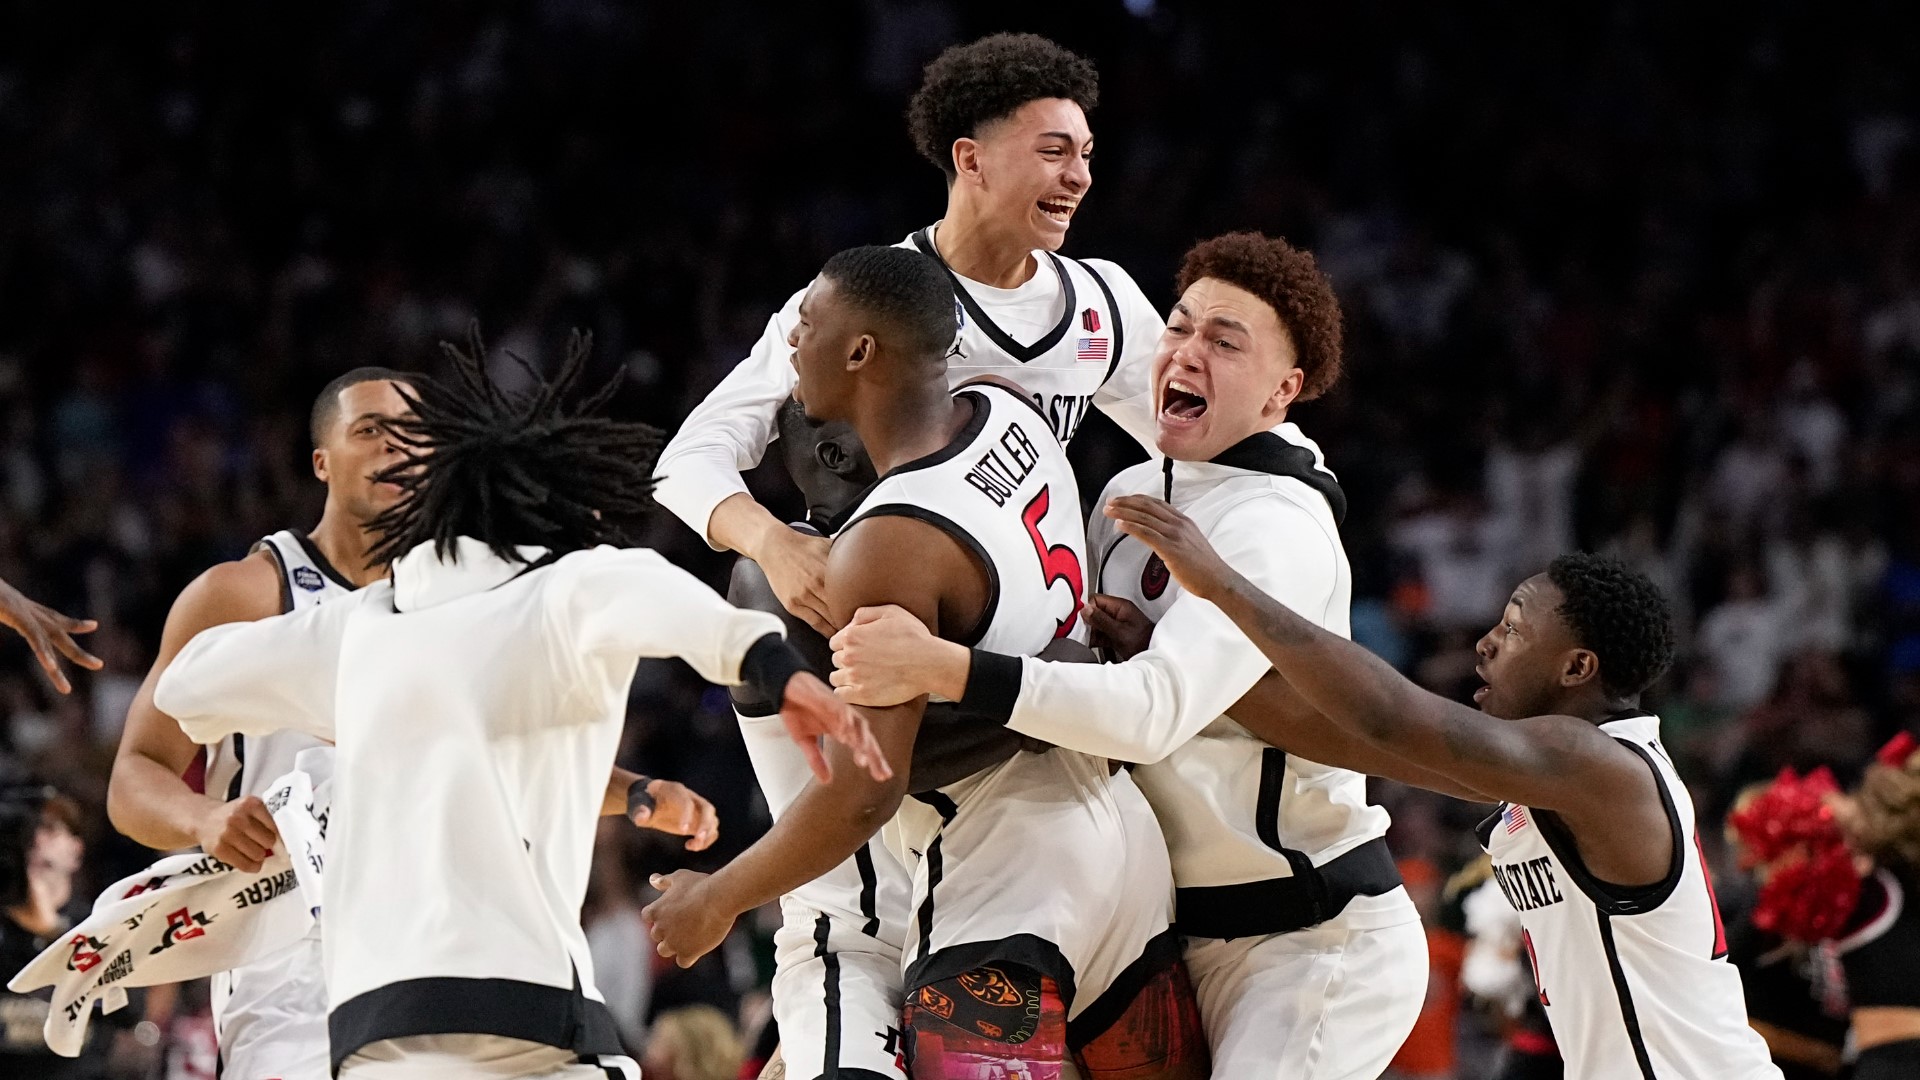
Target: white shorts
(836, 982)
(1317, 1004)
(477, 1057)
(270, 1017)
(1047, 860)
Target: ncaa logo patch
(307, 578)
(1154, 578)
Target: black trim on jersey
(320, 561)
(948, 810)
(830, 995)
(869, 890)
(963, 439)
(444, 1005)
(1484, 830)
(1119, 324)
(1610, 898)
(1159, 954)
(1016, 394)
(1311, 896)
(1027, 950)
(1023, 353)
(941, 802)
(1267, 452)
(280, 563)
(951, 528)
(1620, 989)
(234, 786)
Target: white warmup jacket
(1077, 334)
(1247, 825)
(476, 705)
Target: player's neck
(344, 542)
(909, 422)
(978, 251)
(1596, 709)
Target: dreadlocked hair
(514, 469)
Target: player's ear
(864, 347)
(320, 465)
(966, 159)
(1283, 395)
(1581, 667)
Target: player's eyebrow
(378, 418)
(1230, 323)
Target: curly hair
(1885, 817)
(969, 86)
(1620, 614)
(1291, 283)
(512, 470)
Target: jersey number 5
(1058, 562)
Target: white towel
(189, 916)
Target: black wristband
(768, 665)
(637, 797)
(993, 685)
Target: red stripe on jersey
(1713, 900)
(196, 774)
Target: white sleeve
(629, 603)
(729, 431)
(253, 678)
(1198, 662)
(1127, 395)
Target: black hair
(971, 85)
(1618, 613)
(514, 469)
(327, 405)
(905, 290)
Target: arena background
(1624, 278)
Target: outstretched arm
(884, 560)
(1548, 762)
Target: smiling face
(1225, 370)
(1032, 168)
(358, 447)
(1530, 661)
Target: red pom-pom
(1811, 884)
(1897, 751)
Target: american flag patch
(1093, 350)
(1515, 817)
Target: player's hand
(887, 656)
(796, 567)
(678, 810)
(1118, 626)
(811, 711)
(47, 632)
(239, 833)
(1176, 539)
(685, 923)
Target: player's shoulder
(244, 589)
(1125, 289)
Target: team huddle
(1087, 795)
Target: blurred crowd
(1628, 278)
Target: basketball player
(270, 1017)
(47, 632)
(1305, 950)
(1041, 888)
(468, 695)
(1596, 843)
(1004, 119)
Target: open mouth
(1060, 210)
(1182, 402)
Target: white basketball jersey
(1006, 492)
(1063, 368)
(1635, 981)
(270, 1017)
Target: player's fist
(1176, 539)
(811, 712)
(1118, 626)
(239, 833)
(679, 811)
(685, 923)
(48, 633)
(796, 567)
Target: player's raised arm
(253, 678)
(47, 633)
(894, 560)
(1557, 763)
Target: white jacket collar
(422, 580)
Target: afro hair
(969, 86)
